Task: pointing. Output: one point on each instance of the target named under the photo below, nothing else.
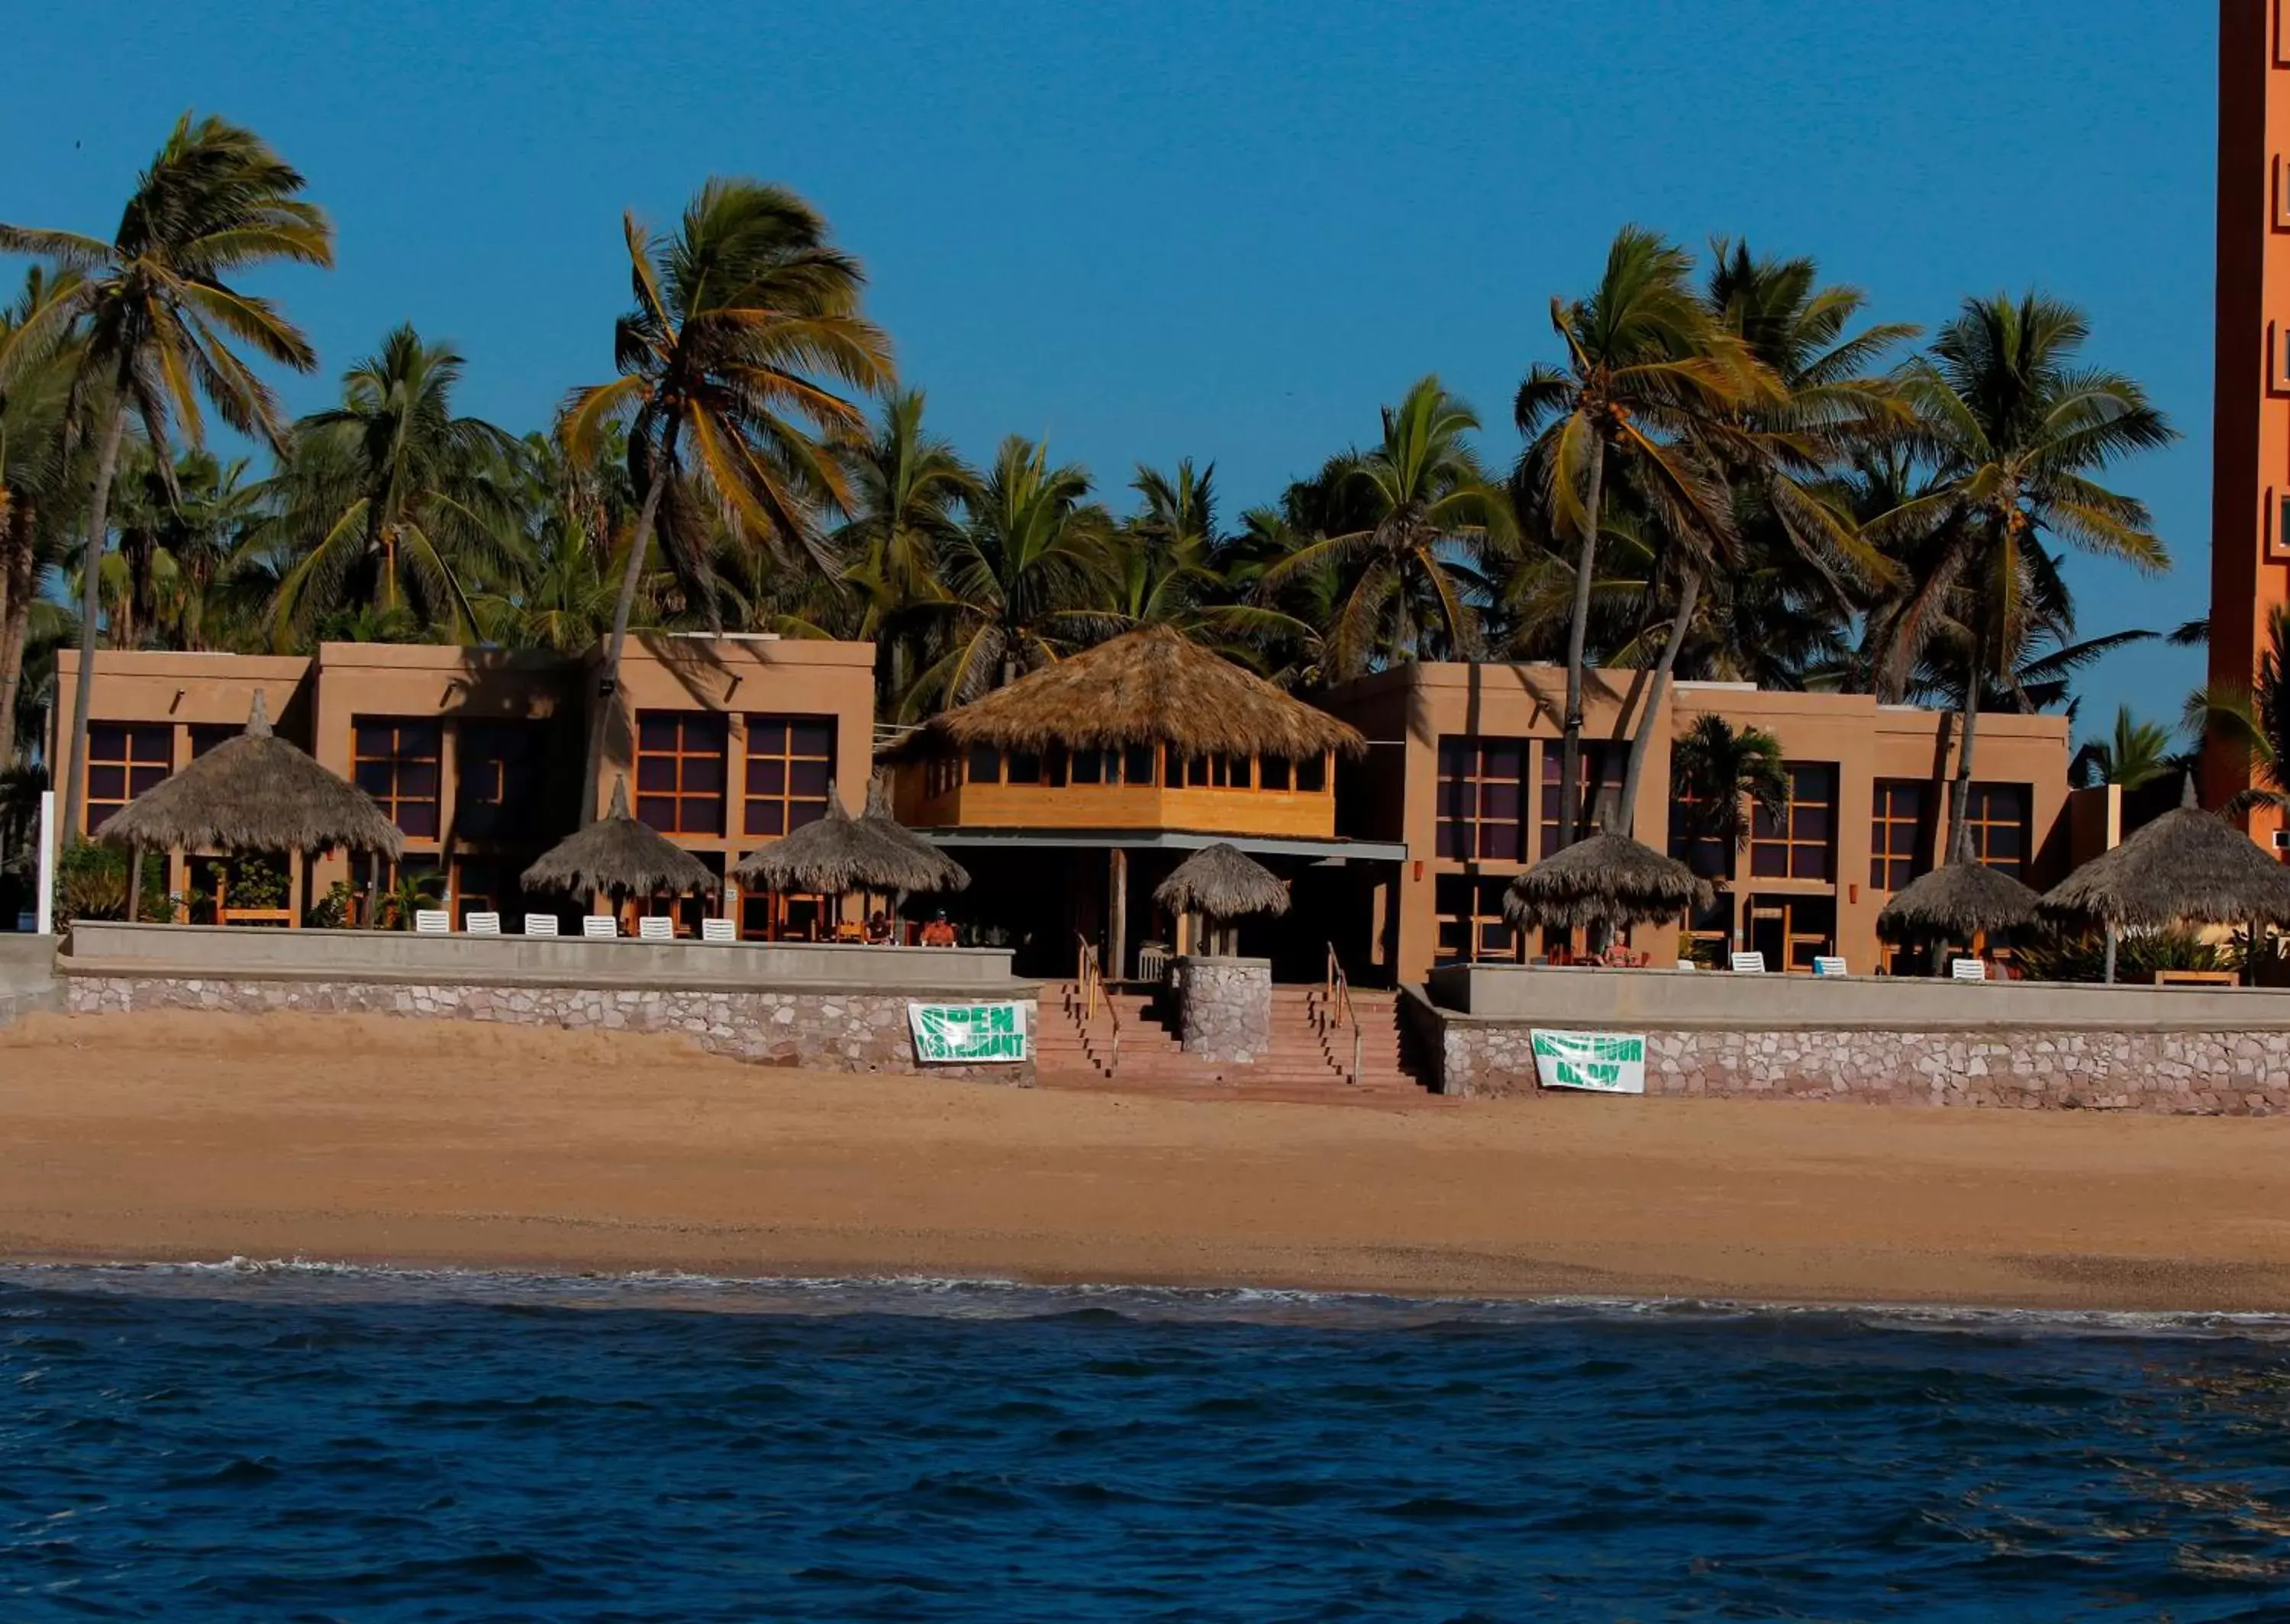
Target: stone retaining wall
(857, 1031)
(1224, 1006)
(2207, 1072)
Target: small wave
(307, 1280)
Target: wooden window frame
(1485, 893)
(795, 810)
(394, 799)
(140, 771)
(1803, 856)
(1889, 867)
(1979, 819)
(512, 780)
(675, 794)
(1466, 827)
(1604, 762)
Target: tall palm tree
(2015, 429)
(38, 360)
(2136, 752)
(161, 320)
(908, 487)
(738, 314)
(392, 499)
(1643, 362)
(1025, 579)
(1718, 774)
(1418, 520)
(2255, 720)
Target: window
(1312, 774)
(941, 775)
(1471, 925)
(1481, 799)
(789, 761)
(1799, 845)
(1025, 767)
(1197, 769)
(497, 780)
(1137, 764)
(124, 760)
(396, 760)
(1272, 771)
(1896, 834)
(206, 735)
(680, 770)
(1996, 814)
(1603, 762)
(985, 764)
(1691, 820)
(1088, 766)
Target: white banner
(968, 1034)
(1605, 1062)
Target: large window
(1897, 833)
(1801, 842)
(1471, 924)
(497, 780)
(1996, 814)
(789, 761)
(394, 759)
(1601, 777)
(206, 735)
(680, 770)
(1483, 799)
(124, 760)
(1692, 839)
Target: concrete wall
(1635, 999)
(111, 946)
(27, 976)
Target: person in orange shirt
(938, 932)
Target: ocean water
(289, 1442)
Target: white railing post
(45, 917)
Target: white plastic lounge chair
(1686, 964)
(540, 924)
(1748, 964)
(482, 925)
(1966, 969)
(656, 927)
(1828, 964)
(600, 927)
(432, 921)
(717, 929)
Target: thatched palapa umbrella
(1608, 879)
(619, 857)
(838, 854)
(2188, 866)
(1962, 900)
(877, 820)
(1221, 884)
(254, 793)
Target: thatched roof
(838, 853)
(254, 793)
(877, 818)
(1608, 879)
(1148, 686)
(2189, 864)
(1961, 899)
(619, 856)
(1223, 882)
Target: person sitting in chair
(938, 932)
(878, 927)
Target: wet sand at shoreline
(176, 1136)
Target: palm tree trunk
(98, 513)
(606, 698)
(1962, 791)
(18, 576)
(1688, 596)
(1578, 634)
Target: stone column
(1224, 1006)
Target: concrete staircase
(1303, 1063)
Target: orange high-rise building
(2250, 468)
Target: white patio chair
(717, 929)
(656, 927)
(1748, 964)
(540, 924)
(1966, 969)
(432, 921)
(600, 927)
(482, 925)
(1829, 964)
(1688, 964)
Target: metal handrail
(1089, 983)
(1336, 1004)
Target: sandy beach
(173, 1137)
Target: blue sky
(1224, 231)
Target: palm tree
(161, 320)
(2255, 720)
(2014, 429)
(735, 312)
(2137, 753)
(389, 499)
(38, 357)
(1643, 360)
(1417, 521)
(1025, 579)
(1718, 773)
(907, 486)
